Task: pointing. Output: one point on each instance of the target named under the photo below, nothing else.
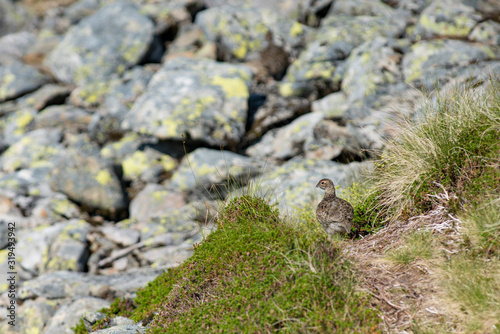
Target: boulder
(109, 41)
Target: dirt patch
(409, 296)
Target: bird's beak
(317, 186)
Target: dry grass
(451, 141)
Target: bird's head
(325, 184)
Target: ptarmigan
(333, 213)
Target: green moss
(256, 273)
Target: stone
(36, 148)
(47, 95)
(155, 200)
(446, 18)
(14, 46)
(65, 117)
(431, 62)
(18, 79)
(240, 32)
(69, 314)
(70, 284)
(117, 150)
(361, 8)
(486, 32)
(109, 41)
(53, 209)
(121, 236)
(69, 250)
(370, 69)
(16, 124)
(215, 115)
(147, 165)
(276, 111)
(32, 317)
(213, 170)
(318, 70)
(287, 141)
(89, 180)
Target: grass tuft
(454, 143)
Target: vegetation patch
(257, 273)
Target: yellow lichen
(103, 177)
(232, 87)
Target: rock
(292, 185)
(361, 8)
(54, 209)
(191, 42)
(431, 62)
(65, 117)
(14, 46)
(121, 95)
(19, 79)
(14, 17)
(155, 200)
(116, 37)
(16, 124)
(69, 314)
(446, 18)
(47, 95)
(168, 256)
(176, 225)
(64, 284)
(69, 250)
(128, 144)
(213, 171)
(240, 32)
(318, 70)
(89, 180)
(121, 236)
(333, 105)
(276, 111)
(370, 69)
(288, 141)
(35, 149)
(32, 245)
(147, 165)
(331, 141)
(216, 114)
(486, 32)
(32, 317)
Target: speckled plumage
(333, 213)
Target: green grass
(454, 143)
(417, 245)
(257, 273)
(473, 276)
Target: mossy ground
(256, 273)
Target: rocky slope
(113, 115)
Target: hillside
(430, 264)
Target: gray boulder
(204, 169)
(89, 180)
(201, 100)
(36, 148)
(446, 18)
(318, 70)
(64, 284)
(114, 38)
(432, 62)
(19, 79)
(69, 314)
(155, 200)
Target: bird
(333, 213)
